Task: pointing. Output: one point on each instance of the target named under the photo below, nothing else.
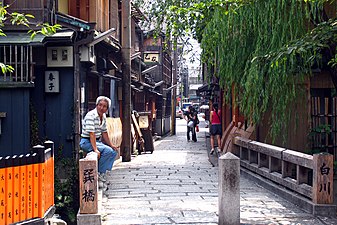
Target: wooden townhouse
(157, 55)
(58, 78)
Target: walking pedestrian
(94, 130)
(215, 126)
(191, 117)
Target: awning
(60, 36)
(107, 40)
(202, 91)
(21, 38)
(208, 87)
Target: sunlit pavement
(178, 185)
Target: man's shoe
(100, 184)
(212, 151)
(101, 177)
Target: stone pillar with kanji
(322, 178)
(88, 185)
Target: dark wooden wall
(55, 110)
(14, 137)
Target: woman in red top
(215, 126)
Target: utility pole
(126, 59)
(174, 90)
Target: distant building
(194, 82)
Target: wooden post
(229, 189)
(126, 68)
(322, 178)
(88, 178)
(174, 90)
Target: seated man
(93, 129)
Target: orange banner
(2, 190)
(36, 185)
(29, 192)
(26, 185)
(9, 190)
(23, 188)
(16, 189)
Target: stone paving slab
(177, 184)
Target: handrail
(308, 175)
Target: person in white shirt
(94, 130)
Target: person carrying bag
(192, 120)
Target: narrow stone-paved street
(178, 185)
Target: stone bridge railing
(310, 176)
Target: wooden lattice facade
(323, 134)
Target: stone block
(229, 189)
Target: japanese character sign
(52, 82)
(325, 185)
(88, 185)
(322, 178)
(151, 57)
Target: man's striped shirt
(92, 123)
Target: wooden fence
(308, 175)
(27, 185)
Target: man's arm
(93, 143)
(108, 141)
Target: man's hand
(98, 154)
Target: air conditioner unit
(60, 56)
(87, 54)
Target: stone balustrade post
(229, 189)
(322, 178)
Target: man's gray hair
(100, 98)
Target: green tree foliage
(262, 48)
(21, 19)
